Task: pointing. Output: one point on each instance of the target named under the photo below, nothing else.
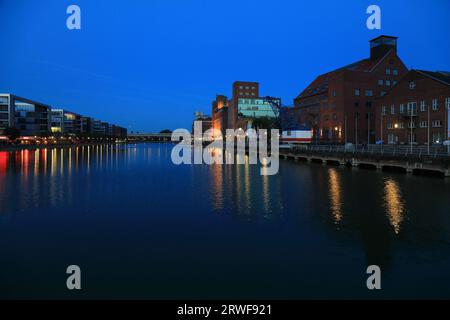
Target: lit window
(380, 82)
(388, 71)
(384, 110)
(369, 93)
(402, 108)
(357, 92)
(423, 124)
(447, 103)
(395, 72)
(388, 82)
(383, 93)
(412, 85)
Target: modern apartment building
(65, 122)
(31, 118)
(340, 105)
(416, 110)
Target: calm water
(140, 227)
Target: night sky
(148, 65)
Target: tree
(12, 133)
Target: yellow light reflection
(394, 204)
(335, 193)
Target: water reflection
(394, 204)
(335, 192)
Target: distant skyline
(149, 66)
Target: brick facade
(340, 105)
(416, 110)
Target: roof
(441, 76)
(320, 84)
(383, 36)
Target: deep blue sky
(148, 65)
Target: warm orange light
(396, 126)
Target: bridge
(416, 159)
(151, 137)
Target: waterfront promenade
(416, 159)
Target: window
(412, 108)
(334, 116)
(253, 94)
(356, 104)
(435, 104)
(380, 82)
(357, 92)
(369, 104)
(388, 82)
(402, 108)
(392, 139)
(411, 125)
(447, 103)
(412, 85)
(241, 87)
(393, 109)
(437, 138)
(383, 93)
(401, 125)
(437, 123)
(390, 126)
(423, 124)
(395, 72)
(423, 107)
(369, 93)
(394, 83)
(384, 110)
(334, 93)
(247, 87)
(388, 71)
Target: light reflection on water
(297, 223)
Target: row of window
(368, 93)
(246, 88)
(436, 137)
(412, 106)
(412, 125)
(393, 72)
(246, 94)
(387, 82)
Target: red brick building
(340, 105)
(416, 110)
(220, 113)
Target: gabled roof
(441, 76)
(320, 84)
